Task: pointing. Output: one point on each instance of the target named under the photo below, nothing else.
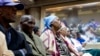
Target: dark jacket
(17, 42)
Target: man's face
(28, 24)
(56, 24)
(9, 13)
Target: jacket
(36, 44)
(17, 42)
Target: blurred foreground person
(50, 39)
(15, 41)
(27, 24)
(3, 46)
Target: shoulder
(2, 34)
(35, 36)
(21, 35)
(47, 32)
(2, 37)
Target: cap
(15, 3)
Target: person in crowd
(83, 35)
(53, 44)
(15, 41)
(93, 24)
(27, 25)
(90, 33)
(80, 39)
(75, 39)
(80, 47)
(97, 32)
(65, 35)
(3, 46)
(36, 31)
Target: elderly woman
(64, 33)
(53, 44)
(3, 46)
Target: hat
(48, 20)
(15, 3)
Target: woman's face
(56, 24)
(64, 31)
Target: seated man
(27, 24)
(15, 41)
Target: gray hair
(26, 17)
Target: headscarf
(48, 20)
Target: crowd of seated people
(81, 36)
(55, 40)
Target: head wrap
(48, 20)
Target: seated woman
(3, 46)
(64, 33)
(54, 45)
(75, 45)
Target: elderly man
(49, 37)
(27, 24)
(15, 41)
